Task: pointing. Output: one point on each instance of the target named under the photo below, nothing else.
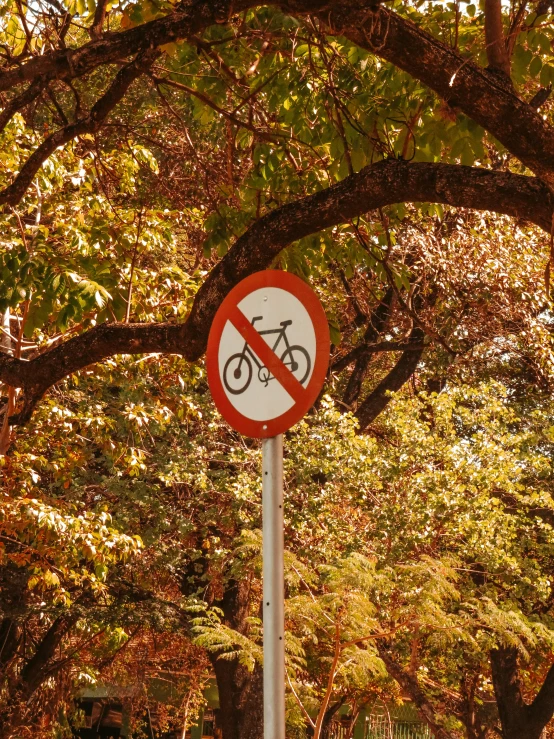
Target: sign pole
(273, 588)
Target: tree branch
(210, 103)
(95, 31)
(374, 186)
(379, 398)
(410, 684)
(12, 194)
(515, 28)
(20, 101)
(381, 346)
(33, 673)
(481, 94)
(101, 342)
(385, 183)
(68, 64)
(497, 53)
(377, 322)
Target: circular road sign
(268, 353)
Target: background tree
(156, 154)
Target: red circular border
(310, 301)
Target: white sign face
(286, 327)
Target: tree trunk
(519, 719)
(330, 713)
(240, 691)
(410, 685)
(240, 700)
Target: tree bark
(519, 719)
(410, 684)
(379, 398)
(240, 691)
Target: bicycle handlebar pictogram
(237, 373)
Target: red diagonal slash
(264, 352)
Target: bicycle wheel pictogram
(237, 373)
(298, 359)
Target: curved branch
(67, 64)
(385, 183)
(20, 101)
(95, 345)
(374, 186)
(379, 398)
(12, 194)
(483, 95)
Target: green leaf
(535, 66)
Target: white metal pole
(274, 589)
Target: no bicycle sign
(268, 353)
(267, 358)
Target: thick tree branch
(379, 398)
(377, 323)
(12, 194)
(507, 689)
(410, 685)
(70, 63)
(18, 102)
(481, 94)
(374, 186)
(101, 342)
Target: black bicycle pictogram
(237, 373)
